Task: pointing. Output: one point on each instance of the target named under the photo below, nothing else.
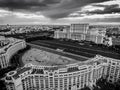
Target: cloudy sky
(59, 11)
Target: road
(66, 54)
(75, 49)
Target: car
(59, 49)
(81, 43)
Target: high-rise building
(75, 32)
(78, 31)
(64, 33)
(96, 35)
(82, 32)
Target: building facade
(9, 47)
(78, 31)
(62, 33)
(75, 32)
(96, 35)
(82, 32)
(68, 77)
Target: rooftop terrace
(20, 71)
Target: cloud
(28, 16)
(50, 8)
(19, 18)
(58, 11)
(108, 9)
(95, 16)
(28, 5)
(111, 2)
(67, 7)
(4, 13)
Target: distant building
(3, 41)
(105, 26)
(78, 31)
(62, 33)
(107, 41)
(115, 41)
(82, 32)
(96, 35)
(75, 32)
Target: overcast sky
(59, 11)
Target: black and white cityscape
(59, 44)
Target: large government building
(84, 31)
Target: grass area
(40, 57)
(76, 48)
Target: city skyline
(59, 11)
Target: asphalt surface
(66, 54)
(76, 49)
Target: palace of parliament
(72, 76)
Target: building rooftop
(20, 71)
(37, 71)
